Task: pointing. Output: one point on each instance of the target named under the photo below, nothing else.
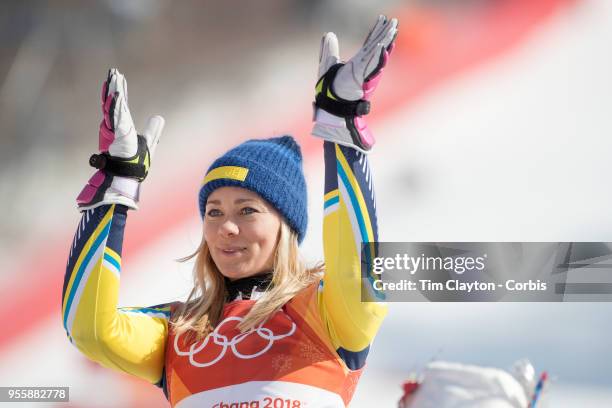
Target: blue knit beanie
(270, 167)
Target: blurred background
(492, 122)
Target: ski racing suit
(309, 354)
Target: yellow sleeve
(349, 220)
(131, 340)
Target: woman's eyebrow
(243, 200)
(237, 201)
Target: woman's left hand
(344, 89)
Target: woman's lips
(231, 251)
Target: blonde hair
(204, 307)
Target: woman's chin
(234, 273)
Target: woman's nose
(228, 228)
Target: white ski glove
(125, 156)
(344, 89)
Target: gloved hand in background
(125, 156)
(344, 89)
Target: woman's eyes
(248, 210)
(243, 211)
(213, 213)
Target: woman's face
(241, 230)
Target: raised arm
(342, 100)
(130, 340)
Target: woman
(259, 328)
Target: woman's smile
(232, 251)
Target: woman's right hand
(124, 156)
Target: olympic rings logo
(231, 344)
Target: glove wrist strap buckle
(134, 167)
(327, 100)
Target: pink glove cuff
(365, 134)
(91, 188)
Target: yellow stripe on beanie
(227, 172)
